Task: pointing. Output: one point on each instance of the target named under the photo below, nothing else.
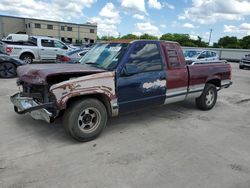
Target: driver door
(142, 82)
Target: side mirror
(129, 70)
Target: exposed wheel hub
(89, 119)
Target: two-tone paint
(122, 93)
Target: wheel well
(101, 97)
(29, 53)
(215, 82)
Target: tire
(27, 58)
(208, 98)
(85, 119)
(241, 67)
(7, 70)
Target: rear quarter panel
(202, 73)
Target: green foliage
(245, 42)
(107, 38)
(184, 40)
(233, 42)
(228, 42)
(130, 36)
(148, 37)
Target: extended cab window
(47, 43)
(173, 59)
(146, 57)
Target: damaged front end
(35, 100)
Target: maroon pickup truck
(115, 78)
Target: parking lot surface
(174, 146)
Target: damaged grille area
(39, 93)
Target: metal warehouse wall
(225, 53)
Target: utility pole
(210, 35)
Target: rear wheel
(85, 119)
(7, 70)
(27, 58)
(208, 98)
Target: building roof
(87, 24)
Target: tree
(245, 42)
(130, 36)
(107, 38)
(228, 42)
(184, 39)
(148, 37)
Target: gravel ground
(174, 146)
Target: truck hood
(39, 73)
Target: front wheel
(7, 70)
(84, 120)
(208, 98)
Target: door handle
(42, 49)
(56, 50)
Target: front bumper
(245, 63)
(37, 111)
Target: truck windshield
(105, 55)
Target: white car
(201, 55)
(37, 48)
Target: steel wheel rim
(7, 70)
(89, 120)
(27, 60)
(210, 96)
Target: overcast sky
(194, 17)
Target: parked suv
(200, 55)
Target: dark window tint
(29, 25)
(47, 43)
(26, 26)
(37, 25)
(32, 40)
(49, 26)
(62, 28)
(173, 59)
(92, 31)
(146, 57)
(69, 28)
